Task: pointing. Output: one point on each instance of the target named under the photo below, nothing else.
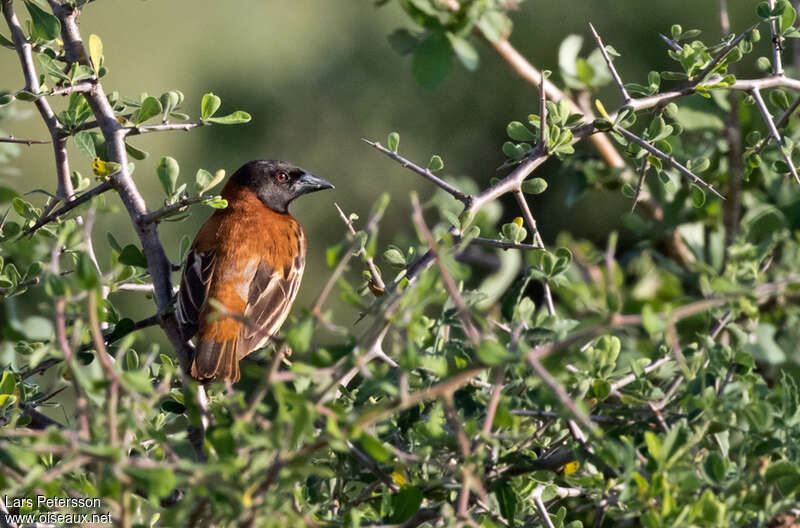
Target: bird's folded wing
(269, 301)
(195, 283)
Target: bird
(244, 268)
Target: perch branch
(425, 173)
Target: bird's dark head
(277, 183)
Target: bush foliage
(492, 380)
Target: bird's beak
(309, 183)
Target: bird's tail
(216, 361)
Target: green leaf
(86, 272)
(698, 196)
(393, 142)
(135, 153)
(653, 446)
(432, 60)
(209, 105)
(507, 500)
(519, 132)
(168, 171)
(235, 118)
(45, 25)
(394, 257)
(85, 143)
(374, 447)
(138, 380)
(601, 389)
(405, 503)
(714, 466)
(436, 163)
(25, 95)
(151, 107)
(132, 256)
(534, 186)
(95, 52)
(8, 382)
(204, 181)
(493, 353)
(156, 482)
(6, 43)
(216, 202)
(299, 336)
(465, 51)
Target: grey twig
(762, 107)
(81, 87)
(669, 159)
(560, 392)
(425, 173)
(67, 207)
(724, 52)
(777, 43)
(165, 127)
(670, 43)
(29, 142)
(23, 48)
(362, 252)
(640, 183)
(542, 114)
(490, 242)
(537, 237)
(625, 97)
(157, 215)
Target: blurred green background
(317, 76)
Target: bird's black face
(277, 183)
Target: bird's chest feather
(248, 238)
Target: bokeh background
(317, 76)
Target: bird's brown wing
(195, 283)
(269, 302)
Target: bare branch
(29, 142)
(640, 183)
(724, 52)
(425, 173)
(669, 159)
(157, 215)
(67, 207)
(531, 221)
(542, 114)
(762, 107)
(532, 75)
(449, 283)
(165, 127)
(23, 48)
(66, 350)
(490, 242)
(362, 252)
(81, 87)
(114, 134)
(777, 43)
(560, 391)
(671, 43)
(625, 97)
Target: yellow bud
(571, 467)
(518, 221)
(601, 109)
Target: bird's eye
(282, 177)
